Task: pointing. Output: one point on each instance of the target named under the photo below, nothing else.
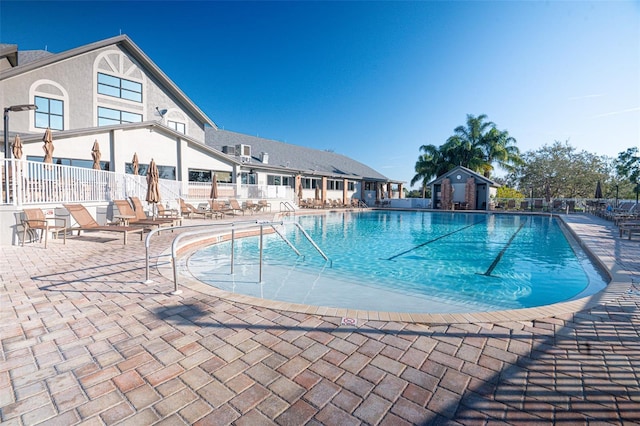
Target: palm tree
(477, 146)
(429, 165)
(465, 147)
(499, 148)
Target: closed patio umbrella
(16, 148)
(48, 146)
(95, 153)
(300, 189)
(135, 163)
(598, 194)
(214, 187)
(153, 190)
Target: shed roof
(458, 169)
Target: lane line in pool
(434, 240)
(504, 249)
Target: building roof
(28, 56)
(35, 60)
(457, 169)
(293, 157)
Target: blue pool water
(409, 262)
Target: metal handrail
(288, 208)
(147, 242)
(362, 205)
(311, 241)
(234, 226)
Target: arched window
(119, 89)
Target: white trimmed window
(50, 113)
(119, 87)
(109, 116)
(177, 126)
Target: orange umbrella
(214, 187)
(95, 153)
(48, 146)
(17, 148)
(153, 190)
(136, 163)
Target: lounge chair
(219, 209)
(188, 210)
(125, 209)
(35, 219)
(629, 227)
(251, 206)
(86, 222)
(141, 216)
(235, 206)
(165, 213)
(263, 205)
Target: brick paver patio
(85, 342)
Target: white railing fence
(29, 182)
(202, 191)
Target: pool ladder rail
(286, 208)
(241, 225)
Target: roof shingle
(290, 156)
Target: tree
(477, 146)
(480, 145)
(507, 192)
(430, 164)
(560, 171)
(500, 148)
(628, 167)
(465, 147)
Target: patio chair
(188, 210)
(251, 206)
(165, 213)
(263, 205)
(629, 227)
(138, 211)
(36, 220)
(124, 208)
(235, 206)
(87, 223)
(219, 209)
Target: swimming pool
(402, 261)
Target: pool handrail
(311, 241)
(147, 242)
(234, 226)
(288, 208)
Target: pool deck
(84, 341)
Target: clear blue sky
(375, 80)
